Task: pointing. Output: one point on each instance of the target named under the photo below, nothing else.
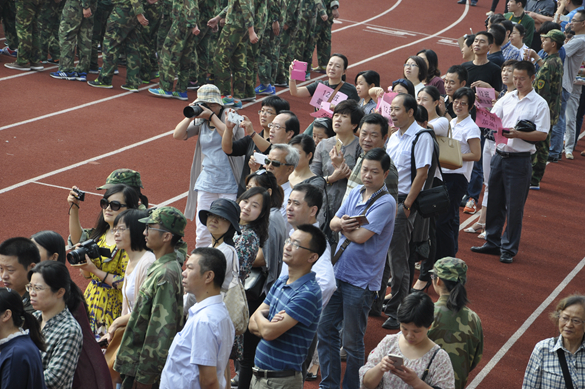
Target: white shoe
(569, 155)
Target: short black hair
(526, 65)
(380, 155)
(313, 195)
(279, 104)
(421, 115)
(131, 218)
(417, 308)
(350, 107)
(212, 259)
(408, 102)
(509, 62)
(465, 91)
(460, 71)
(370, 76)
(52, 242)
(376, 118)
(499, 33)
(577, 2)
(488, 35)
(520, 28)
(497, 19)
(508, 25)
(407, 84)
(521, 1)
(469, 40)
(318, 240)
(292, 124)
(306, 142)
(22, 248)
(547, 26)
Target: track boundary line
(531, 319)
(368, 20)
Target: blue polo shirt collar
(310, 276)
(383, 188)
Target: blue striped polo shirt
(301, 300)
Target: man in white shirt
(200, 353)
(511, 167)
(399, 149)
(281, 161)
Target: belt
(273, 373)
(401, 198)
(505, 154)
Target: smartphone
(338, 145)
(103, 343)
(396, 360)
(505, 131)
(362, 220)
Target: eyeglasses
(114, 205)
(461, 103)
(276, 163)
(410, 65)
(264, 112)
(576, 322)
(119, 229)
(275, 126)
(35, 288)
(154, 229)
(295, 245)
(576, 21)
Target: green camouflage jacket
(275, 11)
(154, 322)
(186, 11)
(135, 4)
(207, 10)
(461, 335)
(261, 15)
(549, 84)
(239, 13)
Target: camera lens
(76, 257)
(192, 111)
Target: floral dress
(104, 301)
(247, 244)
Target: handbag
(435, 200)
(449, 151)
(424, 376)
(255, 283)
(565, 369)
(112, 352)
(235, 299)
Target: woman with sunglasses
(20, 341)
(103, 294)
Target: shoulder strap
(435, 154)
(335, 91)
(424, 376)
(373, 200)
(565, 368)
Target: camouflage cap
(122, 176)
(169, 218)
(554, 35)
(451, 269)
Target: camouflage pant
(322, 35)
(303, 39)
(75, 31)
(212, 48)
(122, 28)
(268, 55)
(539, 160)
(8, 16)
(100, 21)
(49, 21)
(166, 22)
(251, 69)
(231, 49)
(177, 51)
(27, 29)
(148, 62)
(285, 57)
(201, 67)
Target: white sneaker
(569, 155)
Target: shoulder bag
(449, 151)
(435, 200)
(565, 368)
(235, 299)
(424, 376)
(255, 283)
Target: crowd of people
(300, 233)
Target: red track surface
(504, 296)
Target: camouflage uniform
(322, 34)
(548, 84)
(179, 46)
(304, 40)
(269, 51)
(232, 47)
(76, 31)
(289, 20)
(200, 67)
(122, 29)
(27, 29)
(260, 18)
(165, 24)
(148, 41)
(100, 21)
(49, 20)
(8, 16)
(158, 311)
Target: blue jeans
(557, 135)
(349, 306)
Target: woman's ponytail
(34, 330)
(457, 295)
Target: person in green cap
(128, 177)
(457, 329)
(158, 311)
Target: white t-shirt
(129, 289)
(440, 126)
(463, 131)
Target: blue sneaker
(227, 100)
(237, 103)
(81, 76)
(115, 70)
(64, 75)
(308, 76)
(160, 92)
(180, 95)
(265, 90)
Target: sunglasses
(275, 163)
(114, 205)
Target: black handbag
(433, 201)
(255, 283)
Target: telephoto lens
(192, 111)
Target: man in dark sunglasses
(281, 162)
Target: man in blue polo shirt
(287, 320)
(358, 271)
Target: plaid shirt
(544, 369)
(64, 339)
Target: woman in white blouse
(430, 98)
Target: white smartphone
(396, 360)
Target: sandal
(474, 230)
(583, 153)
(482, 235)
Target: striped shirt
(301, 300)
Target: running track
(56, 134)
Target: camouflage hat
(555, 36)
(451, 269)
(169, 218)
(122, 176)
(209, 93)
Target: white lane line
(368, 20)
(67, 189)
(28, 73)
(74, 108)
(469, 220)
(174, 199)
(582, 135)
(508, 345)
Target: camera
(192, 111)
(89, 247)
(80, 194)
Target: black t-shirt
(247, 147)
(489, 72)
(346, 88)
(498, 57)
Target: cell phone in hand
(505, 131)
(235, 118)
(361, 219)
(396, 360)
(338, 145)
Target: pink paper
(323, 112)
(322, 94)
(485, 119)
(299, 70)
(484, 96)
(383, 106)
(499, 137)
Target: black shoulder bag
(565, 368)
(426, 373)
(433, 201)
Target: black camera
(192, 111)
(80, 194)
(89, 247)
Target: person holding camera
(103, 294)
(209, 182)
